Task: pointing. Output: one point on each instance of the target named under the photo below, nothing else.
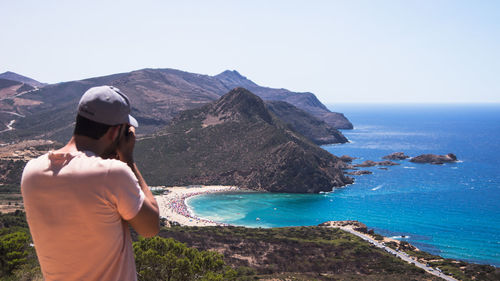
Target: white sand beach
(173, 204)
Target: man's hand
(147, 221)
(126, 144)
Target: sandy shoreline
(173, 205)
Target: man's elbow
(147, 222)
(151, 232)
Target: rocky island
(396, 156)
(370, 163)
(359, 173)
(434, 159)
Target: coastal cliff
(237, 140)
(309, 126)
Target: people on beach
(177, 204)
(81, 199)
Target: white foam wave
(395, 146)
(400, 237)
(377, 187)
(388, 133)
(406, 167)
(224, 217)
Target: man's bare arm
(147, 220)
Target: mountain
(305, 124)
(157, 96)
(20, 78)
(237, 140)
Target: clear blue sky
(343, 51)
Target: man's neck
(82, 143)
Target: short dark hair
(89, 128)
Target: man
(80, 199)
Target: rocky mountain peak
(233, 78)
(231, 73)
(240, 103)
(20, 78)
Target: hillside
(157, 96)
(237, 141)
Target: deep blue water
(452, 210)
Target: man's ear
(113, 132)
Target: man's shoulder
(118, 168)
(37, 161)
(109, 165)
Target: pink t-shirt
(77, 205)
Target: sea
(452, 210)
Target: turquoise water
(452, 210)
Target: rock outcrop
(359, 173)
(356, 225)
(347, 158)
(237, 140)
(370, 163)
(435, 159)
(396, 156)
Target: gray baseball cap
(106, 105)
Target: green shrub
(14, 250)
(166, 259)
